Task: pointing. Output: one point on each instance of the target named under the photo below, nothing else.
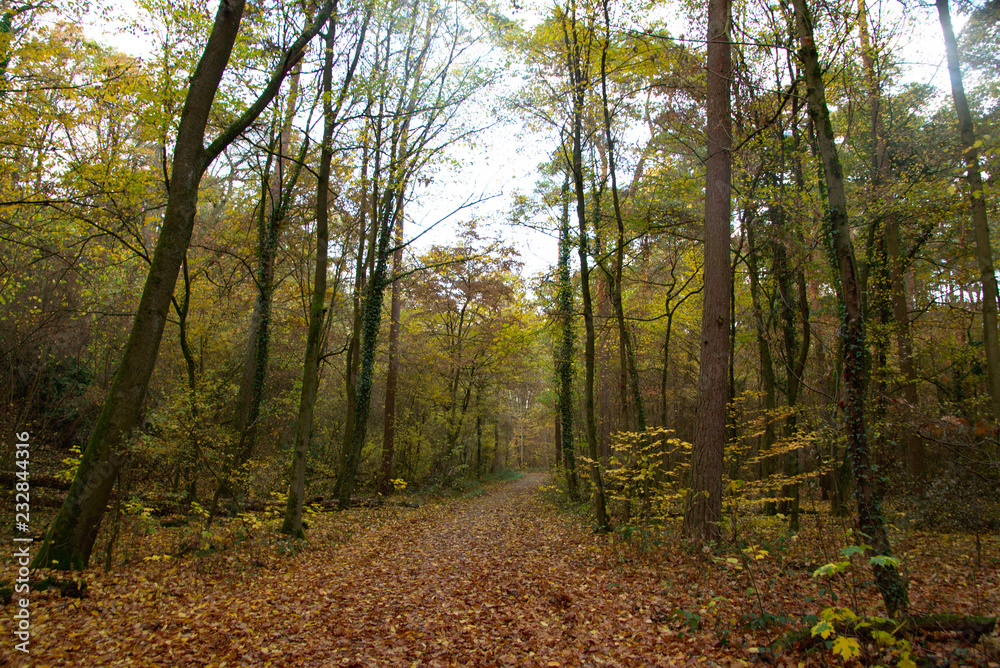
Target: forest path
(498, 579)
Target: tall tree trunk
(887, 577)
(384, 211)
(71, 536)
(575, 63)
(765, 360)
(564, 360)
(626, 351)
(912, 445)
(794, 359)
(392, 375)
(796, 349)
(703, 510)
(317, 312)
(277, 194)
(977, 193)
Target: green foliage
(849, 636)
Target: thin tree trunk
(182, 309)
(310, 368)
(794, 363)
(765, 360)
(392, 375)
(626, 351)
(703, 510)
(251, 392)
(870, 520)
(384, 214)
(564, 361)
(578, 83)
(977, 193)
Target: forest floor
(501, 577)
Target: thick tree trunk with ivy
(71, 536)
(317, 311)
(871, 523)
(564, 359)
(392, 375)
(977, 194)
(703, 510)
(371, 320)
(276, 195)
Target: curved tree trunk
(71, 536)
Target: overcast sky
(505, 158)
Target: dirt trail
(495, 580)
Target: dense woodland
(234, 270)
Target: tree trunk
(564, 360)
(392, 375)
(277, 195)
(871, 523)
(703, 510)
(71, 536)
(317, 311)
(625, 348)
(977, 192)
(384, 211)
(578, 82)
(766, 362)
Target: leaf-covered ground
(499, 579)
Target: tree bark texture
(703, 510)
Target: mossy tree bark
(887, 578)
(564, 359)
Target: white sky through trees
(502, 161)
